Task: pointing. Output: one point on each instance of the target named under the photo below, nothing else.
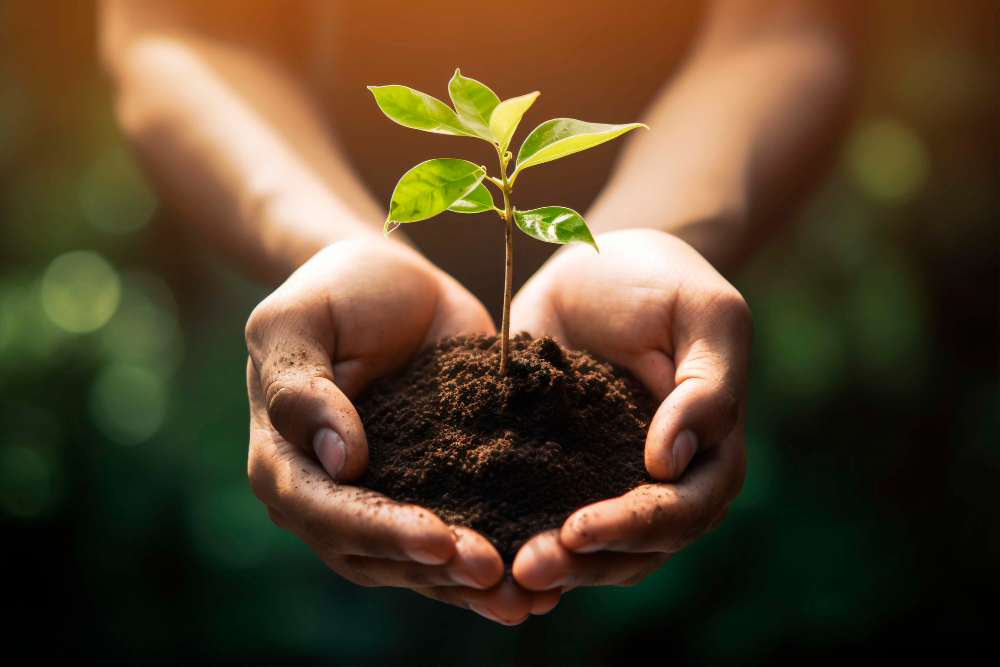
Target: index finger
(662, 517)
(712, 344)
(346, 519)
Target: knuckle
(737, 314)
(729, 307)
(280, 400)
(261, 476)
(415, 575)
(257, 323)
(726, 404)
(274, 481)
(356, 570)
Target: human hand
(652, 304)
(357, 311)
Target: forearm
(733, 133)
(233, 148)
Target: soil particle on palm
(508, 457)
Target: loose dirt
(508, 457)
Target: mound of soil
(508, 457)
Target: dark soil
(508, 457)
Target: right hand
(652, 304)
(357, 311)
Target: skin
(356, 311)
(240, 153)
(651, 303)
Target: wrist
(713, 224)
(295, 226)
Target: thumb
(712, 361)
(309, 410)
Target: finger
(476, 564)
(543, 563)
(476, 561)
(345, 519)
(545, 601)
(506, 603)
(712, 364)
(298, 393)
(662, 517)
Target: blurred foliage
(867, 525)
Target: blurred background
(867, 528)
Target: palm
(617, 305)
(382, 308)
(650, 303)
(356, 312)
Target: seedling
(447, 184)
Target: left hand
(652, 304)
(359, 310)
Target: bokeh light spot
(25, 481)
(888, 160)
(142, 331)
(80, 291)
(113, 194)
(10, 319)
(803, 348)
(887, 315)
(128, 402)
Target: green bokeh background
(867, 528)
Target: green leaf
(431, 187)
(555, 224)
(560, 137)
(411, 108)
(474, 103)
(477, 201)
(507, 115)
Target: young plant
(447, 184)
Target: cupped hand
(355, 312)
(652, 304)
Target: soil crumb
(508, 457)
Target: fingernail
(591, 547)
(330, 450)
(559, 582)
(425, 557)
(484, 611)
(684, 449)
(465, 579)
(541, 606)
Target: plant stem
(508, 269)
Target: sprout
(447, 184)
